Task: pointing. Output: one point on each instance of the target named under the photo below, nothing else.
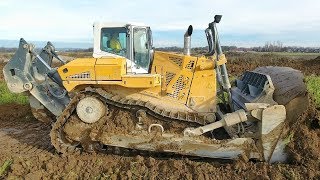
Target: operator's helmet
(115, 43)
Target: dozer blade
(230, 149)
(272, 85)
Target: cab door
(142, 47)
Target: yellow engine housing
(180, 82)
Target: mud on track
(26, 142)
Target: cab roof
(116, 24)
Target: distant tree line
(77, 50)
(197, 50)
(3, 49)
(276, 46)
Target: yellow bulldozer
(130, 96)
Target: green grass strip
(5, 167)
(313, 85)
(7, 97)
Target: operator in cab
(115, 44)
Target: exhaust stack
(187, 41)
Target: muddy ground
(26, 143)
(240, 62)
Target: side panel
(202, 96)
(107, 69)
(177, 72)
(188, 80)
(78, 72)
(81, 69)
(141, 81)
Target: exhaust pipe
(210, 42)
(187, 41)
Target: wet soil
(26, 142)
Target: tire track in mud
(24, 135)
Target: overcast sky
(244, 22)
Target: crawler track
(63, 131)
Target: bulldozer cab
(126, 40)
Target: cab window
(114, 40)
(140, 48)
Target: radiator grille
(177, 86)
(176, 60)
(84, 75)
(190, 65)
(169, 76)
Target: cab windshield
(114, 40)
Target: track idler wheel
(90, 109)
